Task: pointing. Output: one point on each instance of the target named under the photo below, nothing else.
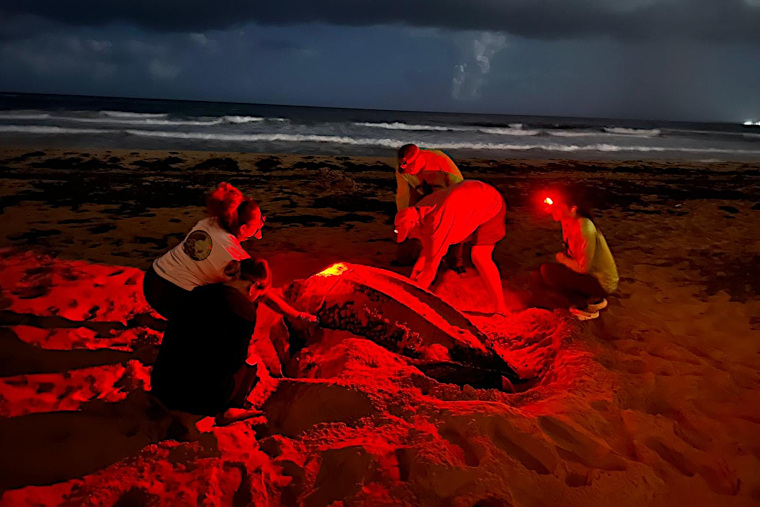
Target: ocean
(123, 123)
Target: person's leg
(482, 259)
(238, 408)
(455, 258)
(577, 287)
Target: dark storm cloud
(717, 20)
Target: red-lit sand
(655, 403)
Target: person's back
(202, 349)
(202, 257)
(456, 212)
(422, 172)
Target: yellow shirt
(588, 253)
(438, 172)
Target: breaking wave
(515, 129)
(394, 143)
(511, 131)
(20, 115)
(633, 132)
(569, 133)
(407, 126)
(48, 129)
(162, 121)
(143, 121)
(245, 119)
(128, 114)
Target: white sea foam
(516, 130)
(394, 143)
(128, 114)
(46, 129)
(143, 121)
(633, 132)
(293, 138)
(568, 133)
(243, 119)
(200, 122)
(409, 126)
(22, 115)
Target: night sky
(650, 59)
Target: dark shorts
(492, 231)
(579, 288)
(165, 297)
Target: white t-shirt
(201, 258)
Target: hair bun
(229, 195)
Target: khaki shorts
(492, 231)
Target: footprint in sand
(457, 439)
(579, 447)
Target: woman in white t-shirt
(210, 253)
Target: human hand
(308, 317)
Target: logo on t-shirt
(198, 245)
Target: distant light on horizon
(750, 123)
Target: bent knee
(545, 272)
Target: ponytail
(230, 207)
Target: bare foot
(232, 415)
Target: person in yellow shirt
(585, 273)
(420, 173)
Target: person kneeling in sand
(201, 365)
(210, 253)
(585, 273)
(469, 210)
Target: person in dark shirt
(201, 365)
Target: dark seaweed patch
(266, 165)
(101, 228)
(225, 164)
(355, 202)
(159, 165)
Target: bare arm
(426, 266)
(402, 192)
(583, 248)
(277, 303)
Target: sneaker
(595, 307)
(583, 314)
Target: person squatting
(209, 288)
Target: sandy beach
(657, 402)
